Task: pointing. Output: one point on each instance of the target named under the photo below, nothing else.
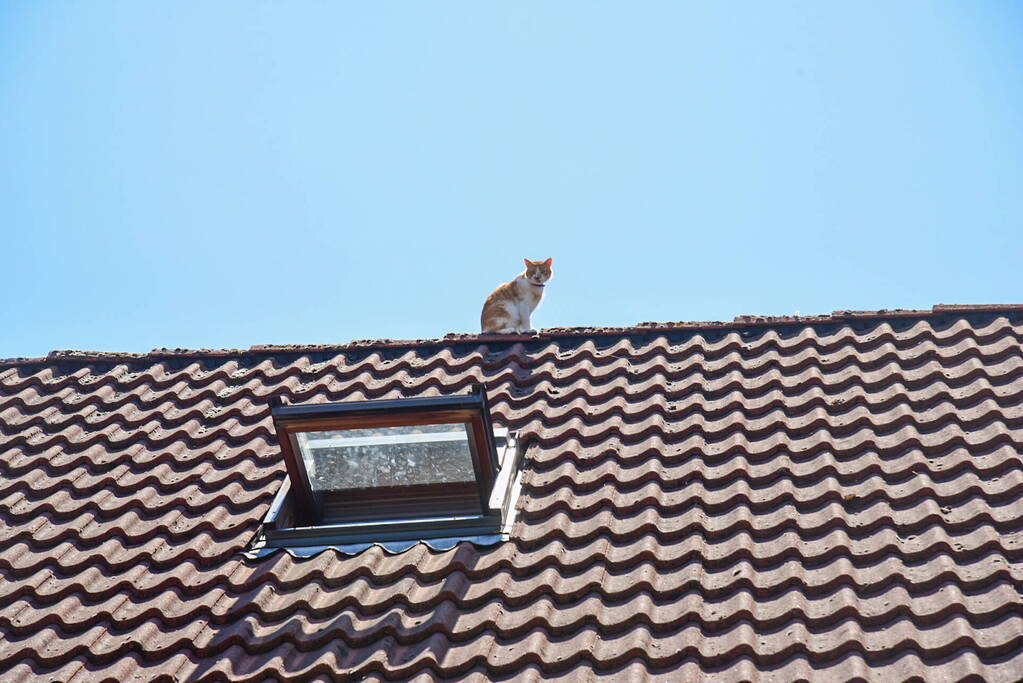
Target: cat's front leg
(524, 315)
(525, 328)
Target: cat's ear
(548, 262)
(528, 264)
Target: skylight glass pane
(387, 456)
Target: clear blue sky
(234, 173)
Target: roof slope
(771, 498)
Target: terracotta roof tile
(772, 498)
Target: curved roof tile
(770, 498)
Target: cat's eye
(390, 470)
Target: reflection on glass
(387, 456)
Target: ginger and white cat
(508, 308)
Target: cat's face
(539, 272)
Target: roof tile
(772, 498)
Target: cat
(507, 309)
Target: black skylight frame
(308, 506)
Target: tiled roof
(770, 498)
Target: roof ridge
(739, 322)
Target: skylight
(387, 470)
